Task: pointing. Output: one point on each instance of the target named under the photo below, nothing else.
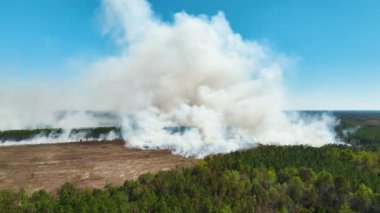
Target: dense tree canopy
(265, 179)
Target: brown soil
(87, 164)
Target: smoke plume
(195, 72)
(192, 85)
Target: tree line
(86, 133)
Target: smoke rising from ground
(196, 72)
(193, 72)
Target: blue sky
(337, 43)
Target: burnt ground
(87, 164)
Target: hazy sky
(336, 44)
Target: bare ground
(87, 164)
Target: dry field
(87, 164)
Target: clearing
(87, 164)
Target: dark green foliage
(19, 135)
(89, 133)
(358, 166)
(360, 129)
(85, 133)
(265, 179)
(364, 137)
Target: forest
(332, 178)
(85, 133)
(268, 178)
(360, 129)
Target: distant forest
(360, 129)
(332, 178)
(85, 133)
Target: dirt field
(88, 164)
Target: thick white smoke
(193, 85)
(195, 72)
